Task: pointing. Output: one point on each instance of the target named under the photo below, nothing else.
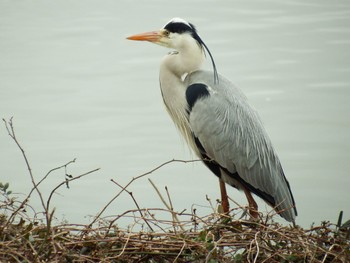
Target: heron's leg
(253, 207)
(224, 199)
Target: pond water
(78, 89)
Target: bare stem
(131, 181)
(137, 205)
(65, 182)
(11, 131)
(169, 207)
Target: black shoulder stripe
(195, 92)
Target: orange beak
(153, 36)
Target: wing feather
(232, 134)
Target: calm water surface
(78, 89)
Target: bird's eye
(166, 33)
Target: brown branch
(11, 131)
(131, 181)
(56, 168)
(137, 205)
(68, 180)
(169, 207)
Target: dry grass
(214, 238)
(156, 234)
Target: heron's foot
(251, 212)
(252, 205)
(254, 215)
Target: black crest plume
(179, 27)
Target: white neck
(188, 57)
(174, 67)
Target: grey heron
(214, 117)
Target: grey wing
(231, 134)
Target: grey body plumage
(233, 137)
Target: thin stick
(56, 168)
(64, 182)
(257, 246)
(131, 181)
(175, 218)
(11, 132)
(173, 214)
(167, 193)
(137, 205)
(180, 252)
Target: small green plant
(4, 188)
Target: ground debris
(216, 239)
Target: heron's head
(177, 34)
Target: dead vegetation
(213, 238)
(157, 234)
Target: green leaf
(238, 258)
(292, 258)
(202, 235)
